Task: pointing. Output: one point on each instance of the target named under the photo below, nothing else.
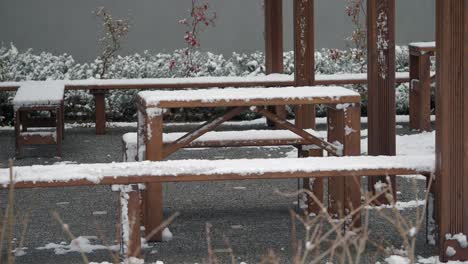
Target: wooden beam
(274, 42)
(452, 125)
(304, 60)
(381, 83)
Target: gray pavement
(250, 214)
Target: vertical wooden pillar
(274, 43)
(344, 126)
(153, 199)
(420, 90)
(304, 60)
(100, 111)
(381, 83)
(452, 126)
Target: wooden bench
(37, 97)
(100, 87)
(131, 174)
(213, 139)
(420, 84)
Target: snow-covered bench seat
(213, 170)
(243, 138)
(131, 174)
(35, 97)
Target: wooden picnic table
(343, 129)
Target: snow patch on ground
(79, 244)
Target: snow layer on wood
(353, 76)
(39, 94)
(153, 98)
(461, 238)
(49, 134)
(429, 44)
(95, 172)
(131, 138)
(192, 80)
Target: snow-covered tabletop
(248, 96)
(39, 94)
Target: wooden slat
(36, 140)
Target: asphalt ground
(252, 215)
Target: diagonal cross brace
(281, 122)
(201, 130)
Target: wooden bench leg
(420, 92)
(344, 126)
(130, 220)
(17, 133)
(314, 185)
(59, 130)
(23, 120)
(100, 111)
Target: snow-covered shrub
(19, 66)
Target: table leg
(153, 199)
(100, 111)
(420, 92)
(58, 130)
(344, 126)
(134, 240)
(17, 132)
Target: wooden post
(100, 111)
(274, 43)
(304, 60)
(420, 90)
(452, 126)
(134, 240)
(153, 199)
(344, 126)
(381, 84)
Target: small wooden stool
(36, 97)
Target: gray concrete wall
(68, 26)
